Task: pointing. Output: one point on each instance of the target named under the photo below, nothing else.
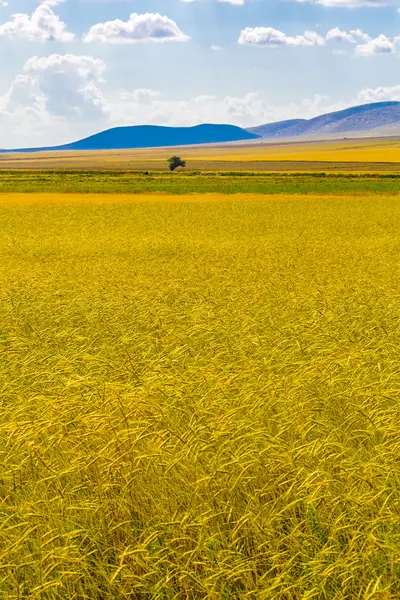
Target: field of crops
(354, 151)
(184, 183)
(343, 156)
(199, 396)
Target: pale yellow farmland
(347, 155)
(346, 151)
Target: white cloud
(148, 106)
(337, 35)
(364, 44)
(42, 26)
(269, 37)
(55, 97)
(354, 36)
(351, 3)
(370, 47)
(69, 84)
(141, 96)
(379, 45)
(357, 33)
(61, 98)
(51, 2)
(23, 93)
(149, 27)
(234, 2)
(379, 94)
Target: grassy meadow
(200, 393)
(192, 182)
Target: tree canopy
(175, 162)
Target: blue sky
(72, 67)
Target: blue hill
(367, 117)
(152, 136)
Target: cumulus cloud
(23, 93)
(379, 45)
(69, 84)
(337, 35)
(149, 27)
(234, 2)
(379, 94)
(352, 36)
(42, 26)
(366, 46)
(51, 2)
(351, 3)
(141, 96)
(149, 106)
(53, 97)
(357, 33)
(369, 47)
(270, 37)
(60, 98)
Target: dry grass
(348, 151)
(344, 156)
(199, 399)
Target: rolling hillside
(381, 118)
(368, 117)
(151, 136)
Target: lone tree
(175, 162)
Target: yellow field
(337, 152)
(199, 398)
(346, 155)
(81, 200)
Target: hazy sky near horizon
(70, 68)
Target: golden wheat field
(199, 397)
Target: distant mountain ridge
(153, 136)
(365, 117)
(379, 116)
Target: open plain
(349, 155)
(199, 378)
(199, 393)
